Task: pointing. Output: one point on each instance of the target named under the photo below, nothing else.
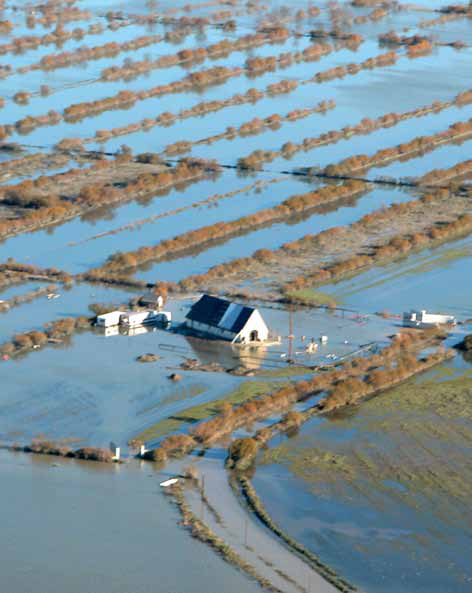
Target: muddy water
(121, 532)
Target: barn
(224, 320)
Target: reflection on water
(383, 494)
(92, 527)
(227, 354)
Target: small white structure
(109, 319)
(312, 347)
(169, 482)
(142, 450)
(115, 451)
(422, 319)
(132, 320)
(224, 320)
(135, 318)
(324, 339)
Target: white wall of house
(255, 328)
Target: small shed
(422, 319)
(224, 320)
(134, 318)
(109, 319)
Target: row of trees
(255, 160)
(28, 297)
(326, 240)
(57, 37)
(200, 54)
(416, 45)
(252, 127)
(54, 332)
(52, 14)
(223, 230)
(202, 108)
(28, 271)
(353, 38)
(30, 162)
(47, 447)
(84, 54)
(420, 144)
(126, 99)
(253, 66)
(397, 246)
(43, 204)
(348, 391)
(352, 374)
(441, 175)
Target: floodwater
(108, 528)
(434, 279)
(370, 500)
(376, 490)
(272, 237)
(92, 389)
(78, 526)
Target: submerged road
(247, 536)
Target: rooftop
(220, 313)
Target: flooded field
(119, 544)
(108, 395)
(382, 490)
(430, 278)
(308, 160)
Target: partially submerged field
(308, 159)
(383, 490)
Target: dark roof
(211, 310)
(242, 318)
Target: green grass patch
(178, 394)
(310, 296)
(177, 422)
(288, 371)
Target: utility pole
(290, 337)
(202, 494)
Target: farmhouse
(224, 320)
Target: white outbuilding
(224, 320)
(422, 319)
(109, 319)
